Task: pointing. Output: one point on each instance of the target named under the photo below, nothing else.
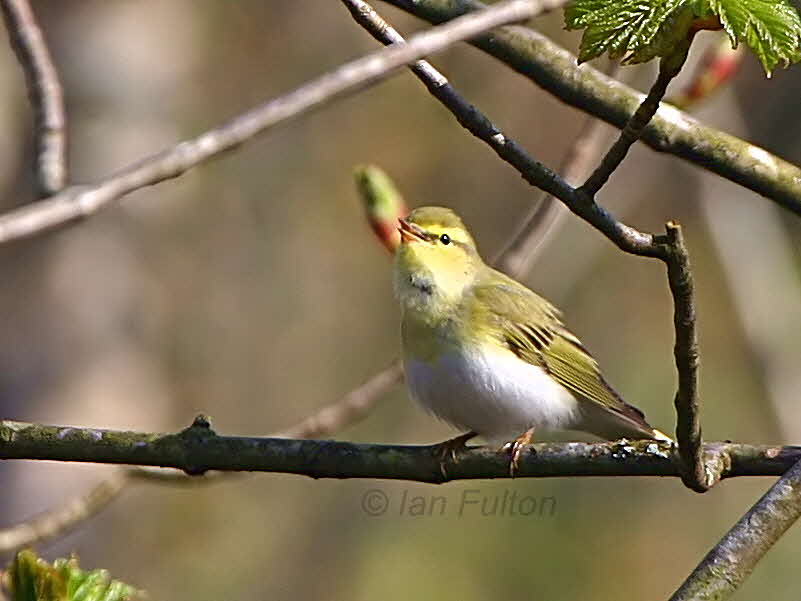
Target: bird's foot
(450, 449)
(515, 449)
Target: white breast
(493, 393)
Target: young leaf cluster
(30, 578)
(639, 30)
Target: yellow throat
(435, 263)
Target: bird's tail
(659, 435)
(622, 421)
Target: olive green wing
(532, 328)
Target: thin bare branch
(198, 449)
(57, 522)
(44, 91)
(351, 408)
(688, 426)
(80, 201)
(732, 560)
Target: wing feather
(532, 328)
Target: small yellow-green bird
(486, 354)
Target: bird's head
(436, 260)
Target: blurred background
(251, 289)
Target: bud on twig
(383, 203)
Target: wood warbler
(486, 354)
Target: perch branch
(44, 91)
(198, 449)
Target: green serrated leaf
(33, 579)
(671, 38)
(771, 28)
(639, 30)
(625, 28)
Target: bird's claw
(515, 449)
(450, 449)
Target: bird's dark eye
(445, 239)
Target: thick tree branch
(80, 201)
(732, 560)
(44, 91)
(198, 449)
(556, 71)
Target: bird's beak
(409, 232)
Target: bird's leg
(449, 449)
(515, 449)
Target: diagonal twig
(351, 408)
(80, 201)
(517, 255)
(668, 69)
(732, 560)
(543, 220)
(44, 91)
(56, 522)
